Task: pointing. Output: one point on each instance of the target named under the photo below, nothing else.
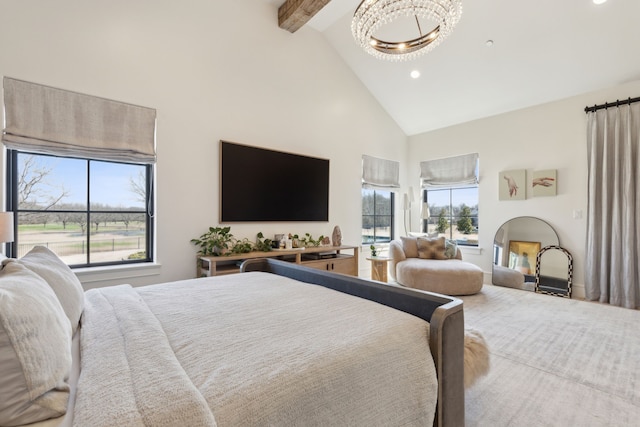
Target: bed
(278, 344)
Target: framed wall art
(544, 183)
(512, 185)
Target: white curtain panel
(450, 172)
(380, 173)
(47, 120)
(613, 226)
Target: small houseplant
(216, 241)
(308, 240)
(219, 241)
(241, 246)
(263, 244)
(374, 251)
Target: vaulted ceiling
(542, 51)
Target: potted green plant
(216, 241)
(241, 246)
(374, 251)
(309, 241)
(262, 244)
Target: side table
(379, 268)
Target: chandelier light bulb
(372, 15)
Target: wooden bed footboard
(444, 314)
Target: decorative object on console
(511, 185)
(336, 236)
(371, 16)
(544, 183)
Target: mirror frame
(549, 290)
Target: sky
(110, 182)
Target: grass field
(112, 242)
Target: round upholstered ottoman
(449, 277)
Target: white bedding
(247, 350)
(67, 419)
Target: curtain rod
(611, 104)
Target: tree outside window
(454, 214)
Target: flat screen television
(260, 185)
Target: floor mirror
(516, 246)
(554, 271)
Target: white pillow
(35, 349)
(62, 280)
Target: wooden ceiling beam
(293, 14)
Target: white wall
(213, 70)
(549, 136)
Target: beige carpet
(554, 361)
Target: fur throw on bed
(476, 357)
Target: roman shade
(449, 172)
(47, 120)
(380, 173)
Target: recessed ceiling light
(599, 1)
(415, 74)
(489, 43)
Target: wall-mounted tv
(260, 185)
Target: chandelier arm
(415, 15)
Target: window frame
(12, 180)
(450, 217)
(391, 215)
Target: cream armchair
(430, 269)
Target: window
(89, 212)
(453, 214)
(377, 216)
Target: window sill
(472, 250)
(117, 272)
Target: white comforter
(250, 349)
